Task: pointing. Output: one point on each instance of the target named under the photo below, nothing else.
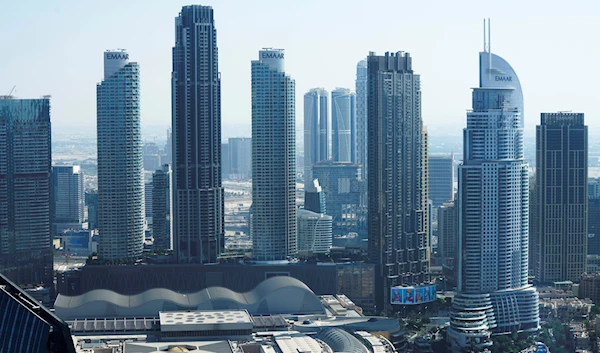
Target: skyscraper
(441, 178)
(341, 188)
(240, 157)
(25, 188)
(68, 196)
(314, 198)
(27, 326)
(447, 220)
(91, 201)
(314, 233)
(316, 129)
(120, 160)
(398, 242)
(273, 226)
(198, 229)
(225, 161)
(493, 201)
(343, 122)
(161, 208)
(361, 117)
(561, 198)
(148, 199)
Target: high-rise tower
(198, 229)
(559, 244)
(361, 117)
(398, 241)
(68, 197)
(316, 130)
(343, 122)
(120, 160)
(273, 226)
(162, 216)
(25, 189)
(441, 178)
(493, 204)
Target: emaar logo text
(272, 55)
(503, 78)
(121, 56)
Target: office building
(593, 187)
(593, 242)
(120, 160)
(27, 326)
(316, 129)
(314, 233)
(25, 189)
(441, 178)
(447, 231)
(161, 208)
(361, 118)
(343, 122)
(425, 201)
(148, 201)
(225, 161)
(198, 229)
(314, 197)
(91, 202)
(342, 190)
(561, 193)
(168, 159)
(240, 158)
(493, 204)
(68, 198)
(398, 240)
(273, 226)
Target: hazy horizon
(58, 51)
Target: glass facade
(559, 238)
(343, 125)
(120, 160)
(441, 178)
(25, 189)
(316, 129)
(361, 117)
(273, 226)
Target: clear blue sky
(55, 47)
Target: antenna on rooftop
(484, 37)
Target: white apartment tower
(120, 161)
(493, 204)
(273, 226)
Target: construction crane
(12, 90)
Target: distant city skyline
(438, 41)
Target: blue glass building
(25, 190)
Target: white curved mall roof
(276, 295)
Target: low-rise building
(589, 287)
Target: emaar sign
(272, 55)
(503, 78)
(117, 56)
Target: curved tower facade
(273, 226)
(120, 163)
(343, 121)
(316, 130)
(361, 117)
(493, 205)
